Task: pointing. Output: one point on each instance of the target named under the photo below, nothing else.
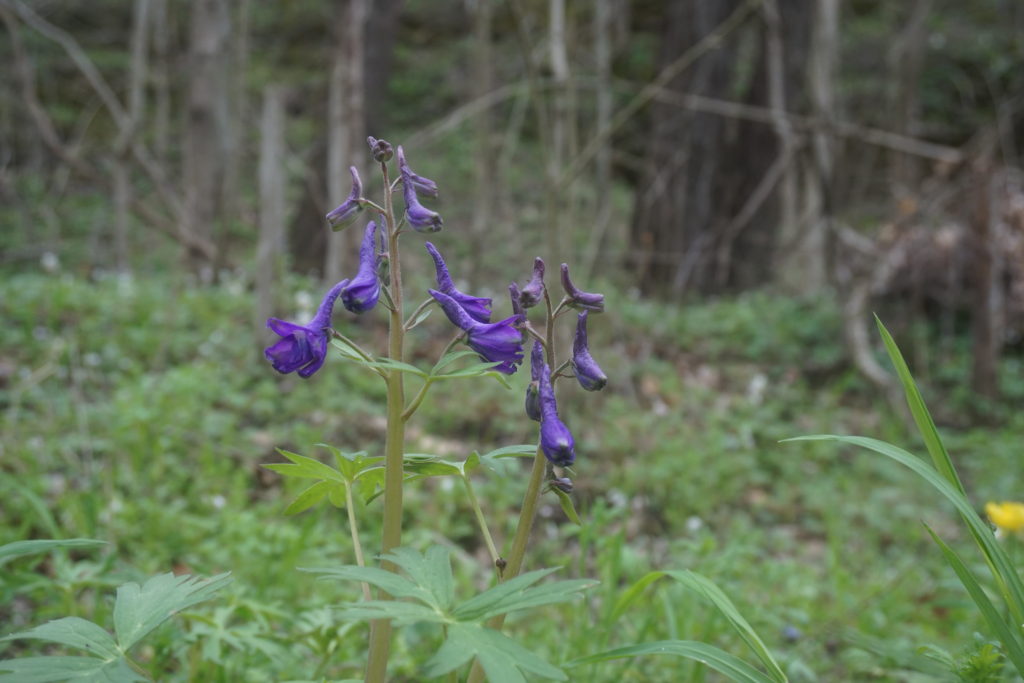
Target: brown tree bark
(206, 120)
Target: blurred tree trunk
(308, 231)
(906, 58)
(122, 147)
(559, 223)
(985, 287)
(673, 220)
(346, 132)
(272, 179)
(237, 117)
(161, 79)
(804, 257)
(713, 191)
(603, 117)
(205, 127)
(485, 172)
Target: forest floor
(139, 411)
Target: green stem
(394, 445)
(528, 513)
(418, 399)
(419, 309)
(481, 521)
(350, 508)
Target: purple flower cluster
(303, 348)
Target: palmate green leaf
(310, 497)
(923, 418)
(711, 592)
(519, 594)
(394, 584)
(431, 571)
(78, 669)
(140, 609)
(1006, 632)
(1003, 570)
(719, 660)
(304, 467)
(22, 548)
(74, 632)
(403, 613)
(503, 659)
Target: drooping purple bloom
(517, 307)
(303, 347)
(588, 372)
(537, 366)
(350, 208)
(363, 291)
(533, 292)
(478, 307)
(420, 217)
(580, 300)
(555, 438)
(498, 342)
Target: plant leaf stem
(394, 445)
(349, 508)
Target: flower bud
(380, 150)
(563, 484)
(345, 214)
(533, 292)
(588, 372)
(578, 299)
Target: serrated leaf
(519, 594)
(719, 660)
(503, 659)
(140, 609)
(711, 592)
(402, 613)
(304, 467)
(308, 498)
(431, 571)
(79, 669)
(567, 507)
(450, 358)
(73, 632)
(393, 584)
(22, 548)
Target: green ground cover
(138, 411)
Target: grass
(138, 411)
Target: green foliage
(137, 611)
(943, 477)
(430, 584)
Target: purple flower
(363, 291)
(589, 374)
(478, 307)
(346, 213)
(498, 342)
(303, 347)
(537, 366)
(555, 438)
(533, 292)
(584, 301)
(517, 307)
(420, 218)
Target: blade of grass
(719, 660)
(923, 418)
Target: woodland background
(747, 180)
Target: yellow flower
(1007, 516)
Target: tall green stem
(531, 500)
(394, 446)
